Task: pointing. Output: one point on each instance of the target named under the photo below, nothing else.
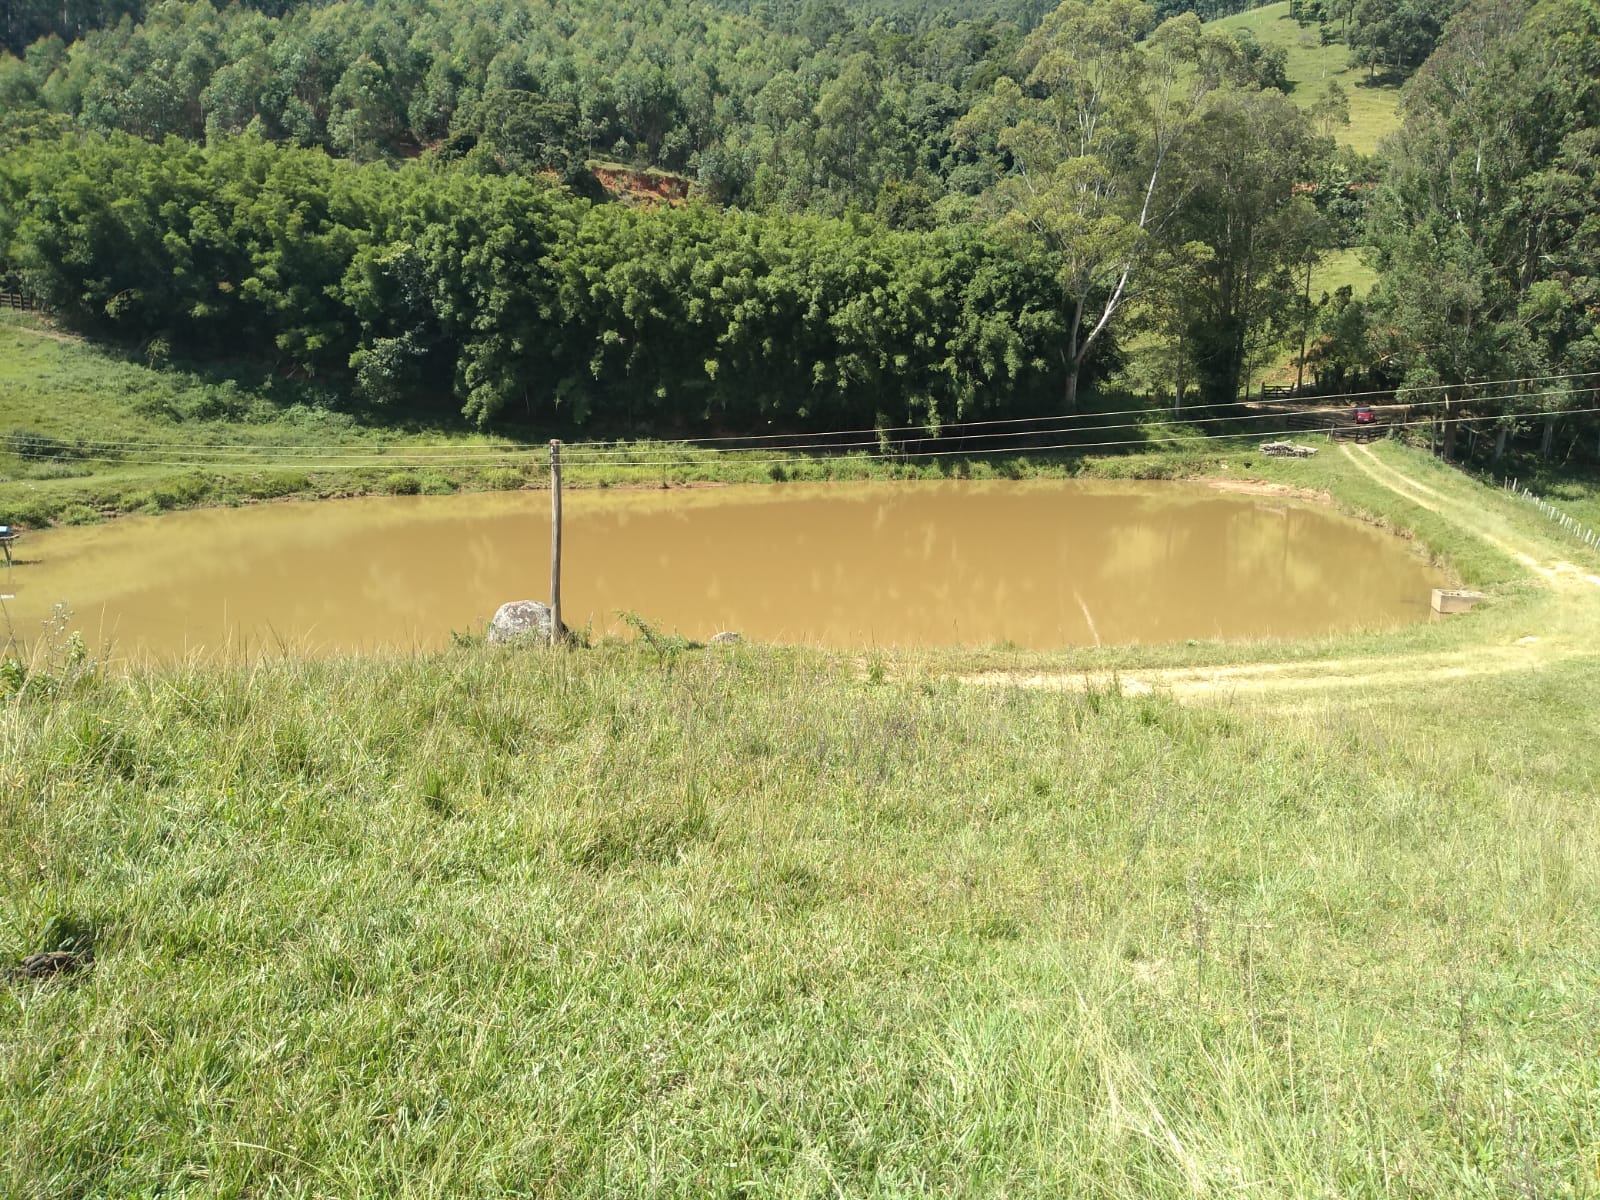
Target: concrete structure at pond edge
(1447, 601)
(520, 621)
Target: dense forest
(897, 211)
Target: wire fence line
(1566, 521)
(928, 444)
(267, 457)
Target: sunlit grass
(1343, 268)
(748, 923)
(1374, 107)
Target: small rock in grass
(520, 621)
(726, 638)
(48, 964)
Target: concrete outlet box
(1446, 601)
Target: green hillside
(1374, 108)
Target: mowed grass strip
(749, 923)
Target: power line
(455, 451)
(1444, 387)
(716, 455)
(189, 455)
(1023, 450)
(1156, 420)
(1338, 401)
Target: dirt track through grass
(1481, 522)
(1577, 603)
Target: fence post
(555, 542)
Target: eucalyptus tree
(1238, 181)
(1088, 139)
(1488, 221)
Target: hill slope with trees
(972, 212)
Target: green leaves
(450, 287)
(1486, 223)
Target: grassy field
(1343, 268)
(1373, 107)
(764, 922)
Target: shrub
(182, 490)
(401, 483)
(431, 483)
(30, 512)
(158, 404)
(143, 501)
(503, 479)
(30, 444)
(218, 402)
(280, 483)
(79, 514)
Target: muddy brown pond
(1037, 564)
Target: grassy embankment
(773, 922)
(116, 436)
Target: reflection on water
(1036, 564)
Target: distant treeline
(804, 108)
(512, 294)
(964, 218)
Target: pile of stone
(1287, 450)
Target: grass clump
(503, 479)
(277, 484)
(434, 483)
(79, 514)
(401, 483)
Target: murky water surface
(911, 564)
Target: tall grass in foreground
(750, 923)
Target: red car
(1365, 415)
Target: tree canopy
(905, 212)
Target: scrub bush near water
(503, 479)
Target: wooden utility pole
(555, 542)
